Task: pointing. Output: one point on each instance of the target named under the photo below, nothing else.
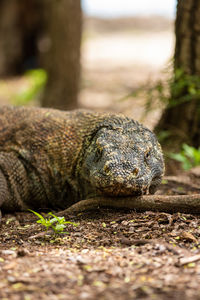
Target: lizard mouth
(123, 186)
(156, 181)
(119, 190)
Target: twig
(187, 260)
(160, 203)
(41, 234)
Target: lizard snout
(124, 169)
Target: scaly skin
(52, 159)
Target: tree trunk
(20, 28)
(182, 121)
(62, 61)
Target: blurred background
(130, 44)
(123, 45)
(141, 58)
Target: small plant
(57, 224)
(36, 80)
(189, 157)
(177, 89)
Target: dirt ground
(111, 253)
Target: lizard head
(123, 159)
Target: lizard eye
(98, 153)
(99, 147)
(147, 154)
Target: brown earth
(109, 254)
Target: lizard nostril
(135, 171)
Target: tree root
(160, 203)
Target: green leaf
(36, 82)
(189, 157)
(192, 90)
(188, 150)
(37, 214)
(53, 220)
(59, 227)
(177, 156)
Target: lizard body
(53, 159)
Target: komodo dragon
(53, 159)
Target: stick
(161, 203)
(187, 260)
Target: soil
(109, 254)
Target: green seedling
(36, 81)
(57, 224)
(189, 157)
(176, 89)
